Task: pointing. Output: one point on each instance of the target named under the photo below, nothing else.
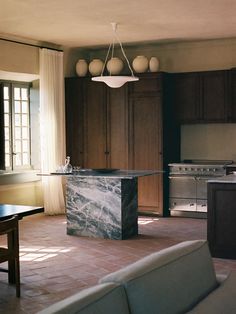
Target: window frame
(11, 85)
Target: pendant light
(115, 81)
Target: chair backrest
(9, 228)
(9, 225)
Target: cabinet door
(214, 89)
(146, 128)
(74, 120)
(187, 97)
(233, 95)
(95, 125)
(117, 128)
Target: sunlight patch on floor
(41, 253)
(145, 221)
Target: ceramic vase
(153, 64)
(95, 67)
(81, 67)
(115, 66)
(140, 64)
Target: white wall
(18, 58)
(174, 57)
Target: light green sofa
(179, 279)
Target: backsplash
(208, 141)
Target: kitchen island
(221, 220)
(103, 205)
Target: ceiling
(80, 23)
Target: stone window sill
(17, 177)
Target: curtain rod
(26, 44)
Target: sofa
(178, 279)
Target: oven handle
(182, 177)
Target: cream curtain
(52, 128)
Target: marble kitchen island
(103, 205)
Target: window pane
(25, 133)
(24, 120)
(17, 133)
(24, 93)
(18, 160)
(17, 120)
(17, 146)
(17, 93)
(24, 107)
(7, 147)
(7, 133)
(6, 92)
(25, 146)
(25, 159)
(17, 106)
(6, 119)
(6, 106)
(7, 160)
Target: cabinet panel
(74, 120)
(221, 232)
(187, 97)
(214, 96)
(233, 95)
(94, 125)
(145, 147)
(117, 128)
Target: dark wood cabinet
(131, 127)
(154, 138)
(233, 95)
(215, 100)
(74, 120)
(145, 108)
(203, 97)
(187, 100)
(95, 150)
(96, 124)
(221, 220)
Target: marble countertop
(231, 178)
(123, 174)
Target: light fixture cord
(103, 68)
(121, 47)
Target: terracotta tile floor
(54, 265)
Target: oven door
(182, 186)
(182, 193)
(182, 204)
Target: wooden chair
(11, 253)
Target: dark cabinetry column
(221, 222)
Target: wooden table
(8, 210)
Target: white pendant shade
(115, 81)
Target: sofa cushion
(100, 299)
(221, 301)
(170, 281)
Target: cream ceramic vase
(140, 64)
(154, 64)
(81, 67)
(95, 67)
(115, 65)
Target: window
(16, 126)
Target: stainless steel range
(188, 185)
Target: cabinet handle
(107, 153)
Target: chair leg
(11, 271)
(17, 277)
